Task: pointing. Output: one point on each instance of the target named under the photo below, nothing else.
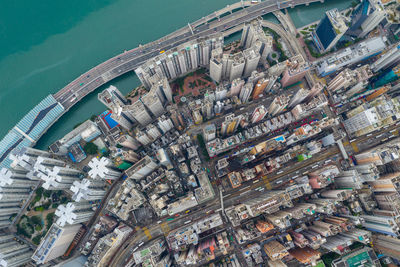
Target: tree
(36, 220)
(36, 239)
(90, 148)
(47, 193)
(49, 219)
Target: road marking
(346, 143)
(355, 147)
(266, 182)
(147, 232)
(165, 228)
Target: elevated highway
(130, 60)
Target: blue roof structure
(30, 128)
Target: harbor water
(46, 44)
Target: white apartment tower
(103, 169)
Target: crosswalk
(165, 228)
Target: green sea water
(46, 44)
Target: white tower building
(12, 252)
(103, 169)
(74, 213)
(88, 189)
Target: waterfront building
(141, 168)
(103, 168)
(74, 213)
(55, 243)
(14, 252)
(177, 61)
(112, 98)
(163, 90)
(253, 35)
(296, 69)
(329, 30)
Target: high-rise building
(296, 69)
(112, 98)
(220, 92)
(389, 57)
(209, 132)
(128, 141)
(236, 86)
(165, 124)
(376, 15)
(152, 101)
(362, 120)
(253, 35)
(138, 113)
(230, 124)
(381, 224)
(278, 105)
(74, 213)
(179, 60)
(141, 168)
(143, 138)
(177, 119)
(259, 88)
(103, 169)
(256, 76)
(343, 80)
(198, 119)
(329, 30)
(299, 97)
(251, 57)
(216, 64)
(163, 90)
(267, 203)
(245, 93)
(234, 66)
(153, 131)
(14, 252)
(387, 245)
(55, 243)
(259, 113)
(207, 109)
(88, 189)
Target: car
(176, 215)
(188, 211)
